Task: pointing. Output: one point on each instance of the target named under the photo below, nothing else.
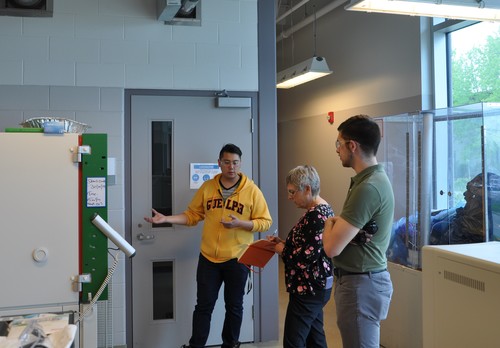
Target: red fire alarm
(330, 117)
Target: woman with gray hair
(308, 271)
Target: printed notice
(201, 172)
(96, 192)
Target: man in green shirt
(363, 287)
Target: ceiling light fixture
(308, 70)
(480, 10)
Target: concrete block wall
(117, 43)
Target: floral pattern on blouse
(306, 264)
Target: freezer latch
(79, 279)
(78, 151)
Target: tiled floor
(332, 332)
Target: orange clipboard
(258, 253)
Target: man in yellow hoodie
(233, 207)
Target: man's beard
(347, 163)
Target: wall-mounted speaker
(27, 8)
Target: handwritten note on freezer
(96, 192)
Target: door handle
(142, 236)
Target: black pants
(209, 277)
(304, 320)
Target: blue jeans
(209, 278)
(362, 301)
(304, 320)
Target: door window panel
(161, 163)
(163, 290)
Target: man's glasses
(339, 143)
(228, 162)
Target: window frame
(441, 45)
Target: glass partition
(437, 162)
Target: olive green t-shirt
(370, 196)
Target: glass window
(161, 149)
(474, 53)
(467, 72)
(163, 290)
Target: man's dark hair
(362, 129)
(230, 148)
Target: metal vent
(27, 8)
(179, 12)
(105, 320)
(466, 281)
(104, 323)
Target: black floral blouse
(306, 264)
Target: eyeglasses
(339, 143)
(228, 162)
(292, 192)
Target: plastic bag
(33, 336)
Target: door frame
(264, 165)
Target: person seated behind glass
(461, 224)
(466, 224)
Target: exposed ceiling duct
(291, 10)
(308, 20)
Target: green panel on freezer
(94, 201)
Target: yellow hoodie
(220, 244)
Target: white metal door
(199, 130)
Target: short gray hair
(301, 176)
